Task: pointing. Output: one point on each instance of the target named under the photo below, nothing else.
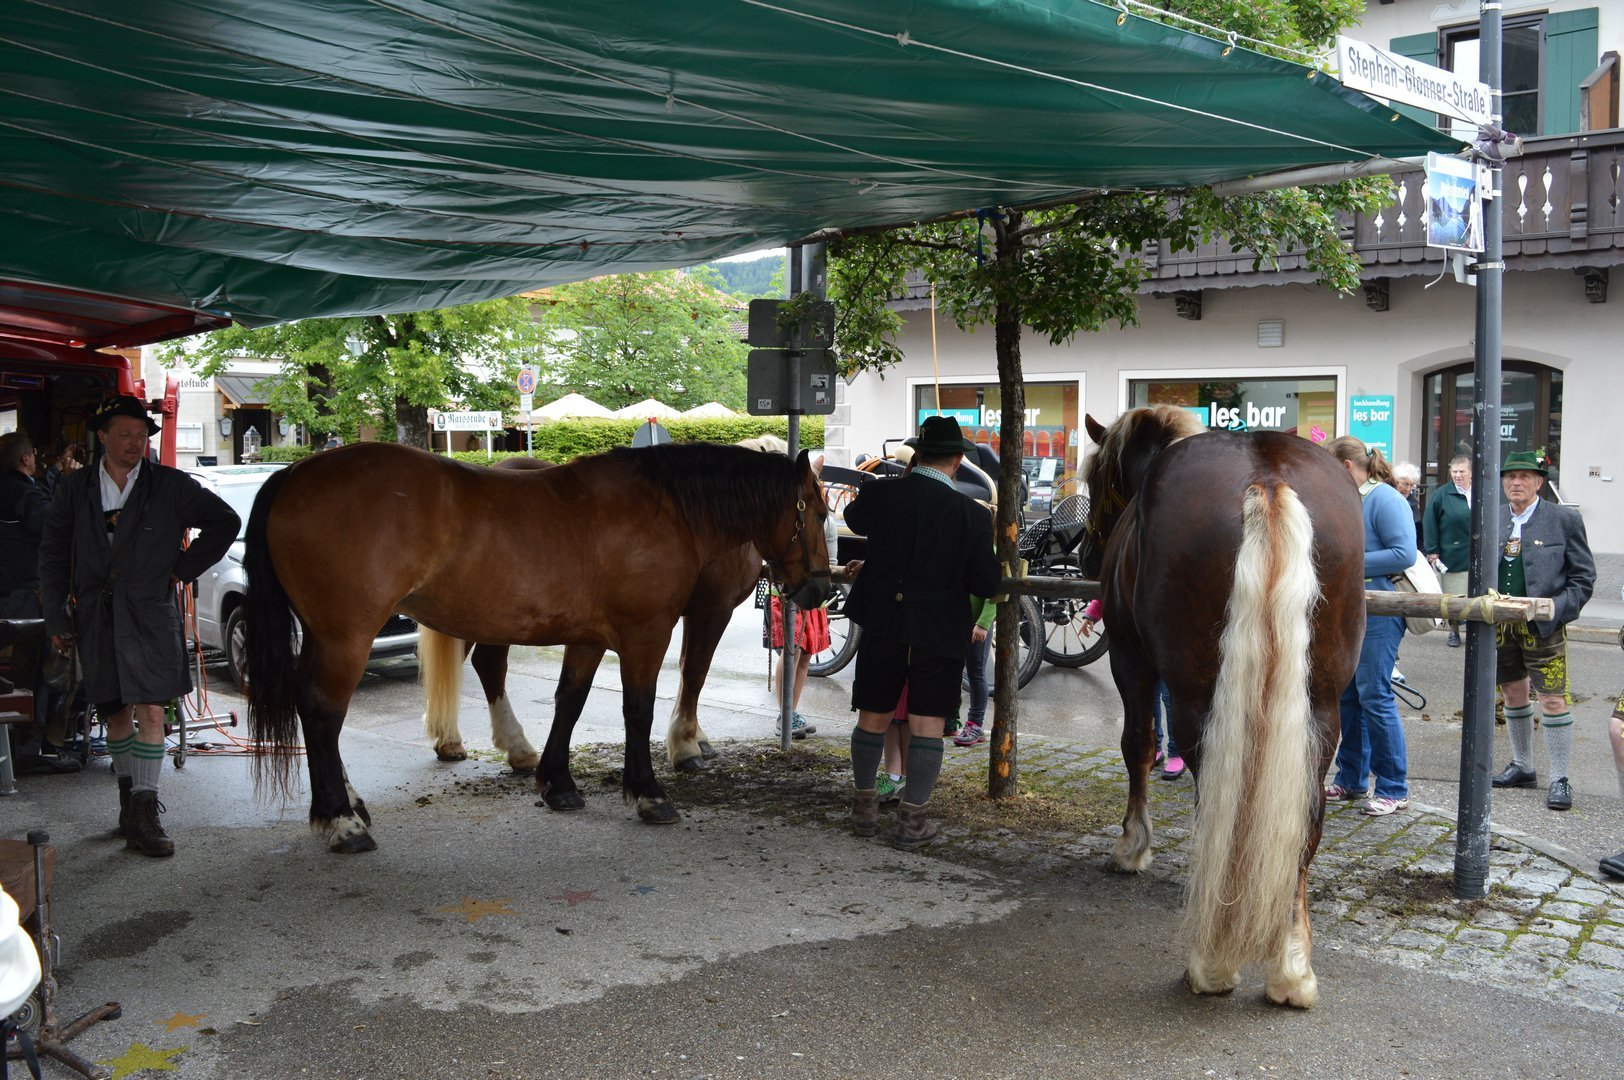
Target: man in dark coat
(1543, 552)
(929, 549)
(109, 563)
(23, 504)
(1446, 532)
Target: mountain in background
(753, 277)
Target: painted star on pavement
(139, 1058)
(480, 909)
(180, 1020)
(572, 897)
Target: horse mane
(1152, 428)
(726, 489)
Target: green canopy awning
(271, 161)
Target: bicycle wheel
(1063, 642)
(1030, 657)
(843, 638)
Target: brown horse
(1232, 568)
(603, 553)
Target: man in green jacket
(1446, 532)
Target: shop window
(1053, 417)
(1298, 406)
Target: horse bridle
(1110, 504)
(800, 539)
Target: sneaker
(49, 759)
(890, 789)
(799, 728)
(1161, 758)
(1338, 793)
(1380, 807)
(971, 735)
(1173, 769)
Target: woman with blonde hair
(1372, 734)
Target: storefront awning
(247, 391)
(345, 157)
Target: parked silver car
(221, 587)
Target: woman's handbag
(1419, 578)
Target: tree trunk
(411, 423)
(321, 393)
(1001, 772)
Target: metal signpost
(790, 372)
(526, 383)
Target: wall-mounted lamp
(225, 426)
(283, 427)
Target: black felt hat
(940, 435)
(123, 405)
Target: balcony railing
(1561, 210)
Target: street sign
(774, 381)
(815, 332)
(468, 421)
(526, 381)
(526, 403)
(650, 433)
(1363, 66)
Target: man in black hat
(110, 558)
(929, 549)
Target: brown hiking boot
(145, 833)
(123, 828)
(914, 829)
(865, 811)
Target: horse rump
(270, 651)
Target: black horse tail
(269, 651)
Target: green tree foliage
(752, 277)
(1065, 270)
(668, 335)
(463, 357)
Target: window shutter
(1571, 54)
(1422, 47)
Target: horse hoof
(563, 800)
(361, 812)
(657, 812)
(451, 752)
(525, 764)
(1304, 995)
(706, 750)
(1217, 988)
(691, 765)
(350, 837)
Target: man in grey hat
(929, 549)
(110, 559)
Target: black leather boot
(124, 784)
(146, 833)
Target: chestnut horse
(722, 586)
(602, 553)
(1231, 566)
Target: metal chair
(26, 870)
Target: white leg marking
(1132, 853)
(1291, 980)
(1202, 980)
(508, 735)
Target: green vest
(1512, 581)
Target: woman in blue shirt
(1372, 734)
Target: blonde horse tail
(1259, 752)
(439, 667)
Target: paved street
(490, 937)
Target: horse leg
(553, 777)
(336, 809)
(491, 665)
(1131, 853)
(685, 744)
(639, 670)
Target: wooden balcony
(1561, 211)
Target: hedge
(562, 440)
